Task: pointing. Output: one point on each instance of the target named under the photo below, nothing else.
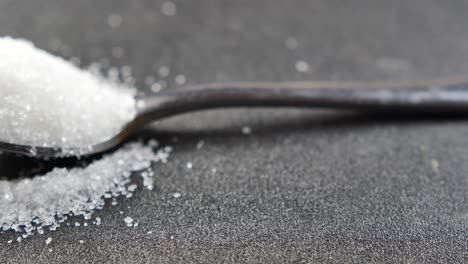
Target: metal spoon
(449, 96)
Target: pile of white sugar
(47, 101)
(29, 205)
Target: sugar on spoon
(448, 96)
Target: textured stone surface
(306, 185)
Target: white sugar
(168, 8)
(29, 204)
(114, 20)
(164, 71)
(291, 43)
(302, 66)
(180, 79)
(47, 101)
(200, 144)
(128, 220)
(246, 130)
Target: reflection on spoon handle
(437, 97)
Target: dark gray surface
(306, 186)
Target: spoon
(449, 96)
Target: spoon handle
(449, 96)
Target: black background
(307, 185)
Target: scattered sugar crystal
(302, 66)
(114, 20)
(156, 87)
(246, 130)
(132, 187)
(176, 194)
(200, 144)
(148, 182)
(113, 74)
(126, 71)
(9, 241)
(81, 241)
(291, 43)
(140, 104)
(47, 101)
(126, 74)
(169, 8)
(48, 240)
(19, 239)
(164, 71)
(189, 165)
(180, 79)
(44, 201)
(77, 224)
(435, 165)
(168, 148)
(128, 220)
(153, 143)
